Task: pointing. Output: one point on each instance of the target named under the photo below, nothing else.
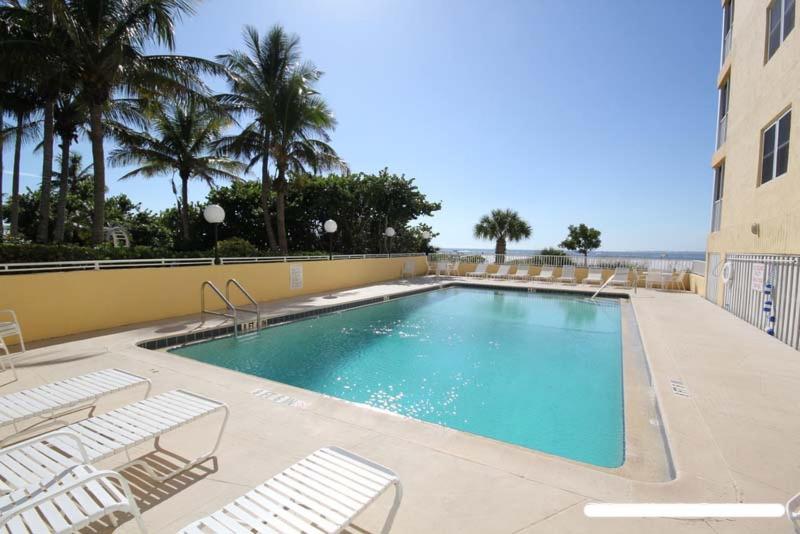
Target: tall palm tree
(502, 226)
(69, 118)
(254, 78)
(300, 139)
(106, 43)
(183, 133)
(20, 100)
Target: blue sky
(593, 111)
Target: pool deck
(734, 438)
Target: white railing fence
(779, 310)
(98, 265)
(647, 264)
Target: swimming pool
(539, 370)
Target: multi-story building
(756, 165)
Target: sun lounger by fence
(567, 274)
(502, 272)
(595, 276)
(322, 493)
(479, 272)
(547, 274)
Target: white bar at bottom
(684, 511)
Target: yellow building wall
(697, 284)
(759, 93)
(63, 303)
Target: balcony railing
(716, 215)
(722, 131)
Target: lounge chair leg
(398, 496)
(188, 465)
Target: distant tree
(552, 251)
(502, 226)
(582, 239)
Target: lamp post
(389, 233)
(214, 215)
(330, 227)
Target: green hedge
(25, 253)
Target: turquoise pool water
(539, 370)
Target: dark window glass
(767, 158)
(719, 176)
(727, 18)
(784, 129)
(788, 17)
(774, 18)
(723, 100)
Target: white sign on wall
(757, 278)
(295, 277)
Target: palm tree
(183, 133)
(502, 226)
(106, 42)
(19, 100)
(69, 118)
(254, 77)
(301, 137)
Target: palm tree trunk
(281, 206)
(63, 189)
(43, 232)
(500, 250)
(266, 185)
(99, 161)
(15, 177)
(184, 210)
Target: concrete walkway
(735, 438)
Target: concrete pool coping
(461, 483)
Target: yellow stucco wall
(59, 304)
(759, 93)
(697, 284)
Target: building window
(724, 100)
(727, 24)
(780, 22)
(719, 183)
(775, 148)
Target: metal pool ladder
(232, 312)
(255, 311)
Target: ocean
(649, 254)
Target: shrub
(236, 247)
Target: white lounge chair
(441, 268)
(793, 511)
(51, 401)
(567, 274)
(621, 277)
(595, 276)
(322, 493)
(502, 272)
(652, 278)
(50, 491)
(547, 274)
(10, 328)
(452, 268)
(479, 272)
(120, 430)
(522, 273)
(677, 280)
